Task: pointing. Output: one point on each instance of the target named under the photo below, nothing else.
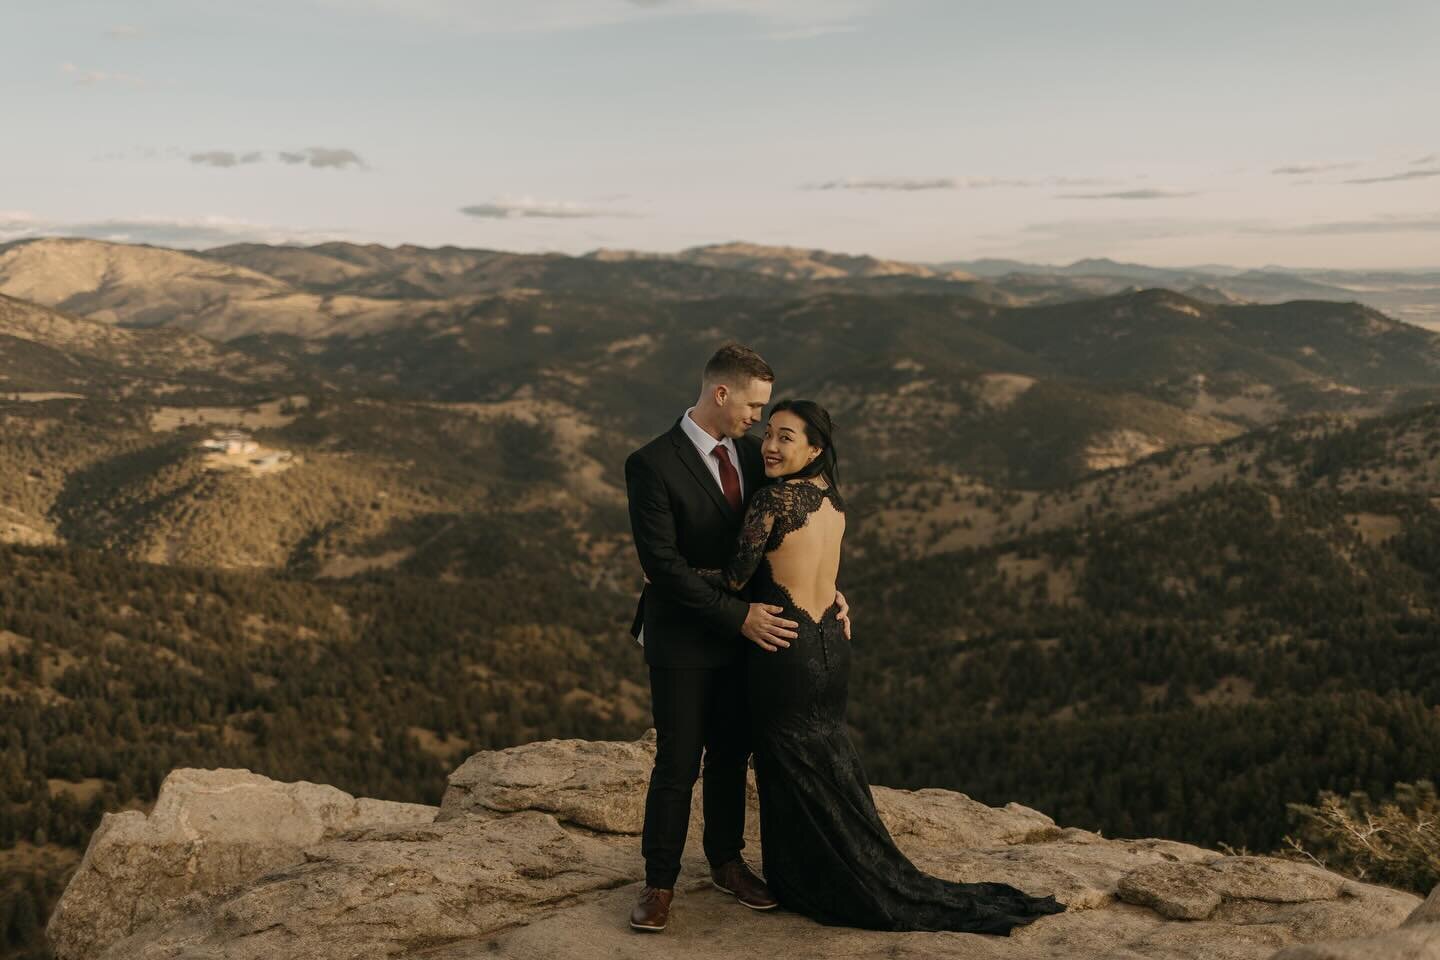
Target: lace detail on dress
(791, 502)
(775, 512)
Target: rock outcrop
(1418, 938)
(534, 853)
(596, 785)
(210, 833)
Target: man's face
(743, 406)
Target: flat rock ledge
(534, 853)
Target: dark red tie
(729, 479)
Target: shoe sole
(645, 929)
(732, 893)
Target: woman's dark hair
(820, 432)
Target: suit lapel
(691, 458)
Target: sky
(1290, 133)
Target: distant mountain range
(789, 263)
(348, 289)
(1411, 295)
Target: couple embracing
(747, 641)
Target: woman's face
(786, 449)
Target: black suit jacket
(681, 521)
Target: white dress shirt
(704, 443)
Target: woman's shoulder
(770, 491)
(791, 490)
(815, 493)
(777, 491)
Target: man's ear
(722, 393)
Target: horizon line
(1205, 268)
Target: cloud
(528, 208)
(1403, 175)
(814, 30)
(123, 31)
(85, 77)
(910, 184)
(190, 233)
(904, 184)
(1094, 233)
(1425, 223)
(1307, 168)
(225, 158)
(133, 153)
(781, 19)
(1205, 239)
(1131, 195)
(337, 157)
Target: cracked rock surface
(535, 853)
(210, 832)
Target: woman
(827, 854)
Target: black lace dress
(826, 852)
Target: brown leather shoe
(736, 879)
(652, 911)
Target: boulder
(953, 818)
(1174, 890)
(1418, 938)
(209, 833)
(1193, 891)
(393, 891)
(597, 785)
(1427, 912)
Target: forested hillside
(1154, 565)
(115, 672)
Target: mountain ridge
(339, 287)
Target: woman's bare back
(796, 526)
(806, 563)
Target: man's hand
(767, 631)
(844, 612)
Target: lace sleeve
(755, 535)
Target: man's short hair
(735, 364)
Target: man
(688, 489)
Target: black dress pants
(699, 712)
